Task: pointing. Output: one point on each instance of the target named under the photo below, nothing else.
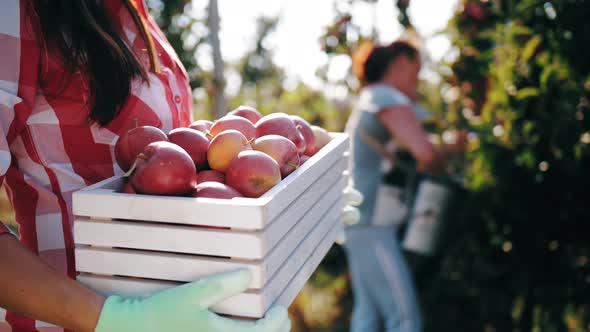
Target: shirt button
(177, 99)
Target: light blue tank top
(366, 163)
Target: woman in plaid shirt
(74, 75)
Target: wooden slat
(249, 304)
(303, 227)
(303, 275)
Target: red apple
(225, 147)
(131, 143)
(216, 190)
(127, 188)
(247, 112)
(305, 130)
(302, 159)
(280, 124)
(164, 168)
(322, 137)
(202, 125)
(282, 150)
(210, 176)
(253, 173)
(233, 122)
(194, 142)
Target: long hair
(370, 62)
(88, 40)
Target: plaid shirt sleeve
(19, 61)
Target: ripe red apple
(280, 124)
(194, 142)
(253, 173)
(127, 188)
(322, 137)
(164, 168)
(131, 143)
(307, 133)
(224, 147)
(216, 190)
(247, 112)
(282, 150)
(210, 176)
(202, 125)
(233, 122)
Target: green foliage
(521, 263)
(184, 32)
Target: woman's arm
(408, 132)
(30, 287)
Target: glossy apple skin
(210, 176)
(194, 142)
(279, 148)
(253, 173)
(305, 129)
(233, 122)
(247, 112)
(216, 190)
(164, 168)
(322, 137)
(225, 147)
(201, 125)
(131, 143)
(282, 125)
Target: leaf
(530, 48)
(527, 93)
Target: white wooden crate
(281, 289)
(121, 237)
(182, 267)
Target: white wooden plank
(168, 266)
(303, 275)
(169, 238)
(213, 242)
(249, 304)
(304, 226)
(301, 206)
(159, 265)
(240, 213)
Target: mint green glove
(185, 309)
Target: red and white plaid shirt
(47, 148)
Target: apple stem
(208, 134)
(130, 171)
(251, 140)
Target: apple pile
(242, 154)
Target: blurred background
(515, 74)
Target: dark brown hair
(370, 62)
(85, 36)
